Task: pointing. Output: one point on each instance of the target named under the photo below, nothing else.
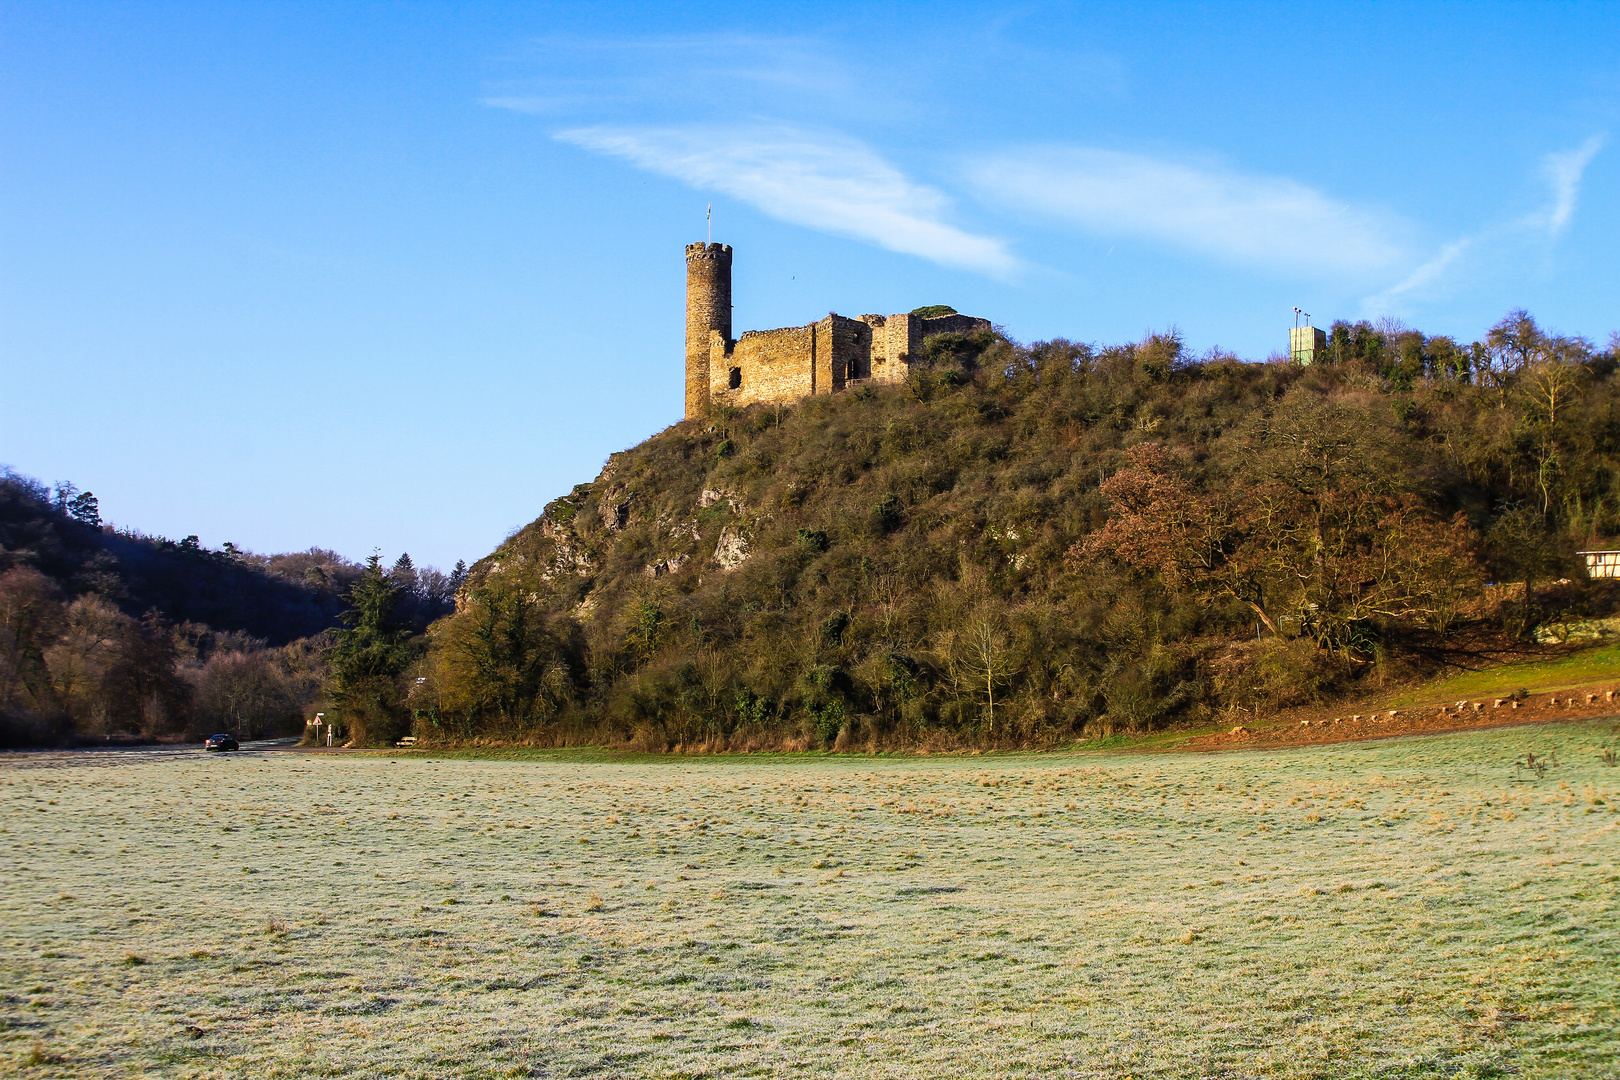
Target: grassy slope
(1596, 665)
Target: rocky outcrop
(1563, 631)
(666, 566)
(731, 549)
(710, 496)
(613, 509)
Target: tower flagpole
(708, 217)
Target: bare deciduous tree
(244, 692)
(979, 658)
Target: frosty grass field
(1413, 907)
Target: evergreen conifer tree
(368, 658)
(85, 509)
(404, 573)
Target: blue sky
(394, 275)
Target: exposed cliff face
(632, 512)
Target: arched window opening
(735, 381)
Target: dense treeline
(1026, 543)
(60, 534)
(108, 633)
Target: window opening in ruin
(735, 381)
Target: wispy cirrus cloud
(678, 76)
(1563, 172)
(1494, 246)
(1234, 217)
(819, 180)
(533, 104)
(1271, 222)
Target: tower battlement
(784, 365)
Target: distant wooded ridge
(109, 632)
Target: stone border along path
(1468, 714)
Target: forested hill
(1024, 543)
(275, 599)
(62, 538)
(108, 633)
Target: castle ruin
(796, 361)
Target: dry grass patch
(1412, 908)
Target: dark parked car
(221, 742)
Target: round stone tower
(708, 307)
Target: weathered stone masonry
(708, 310)
(798, 361)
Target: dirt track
(1312, 727)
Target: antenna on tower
(1305, 343)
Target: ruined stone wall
(953, 324)
(708, 310)
(895, 340)
(796, 361)
(848, 345)
(771, 365)
(821, 358)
